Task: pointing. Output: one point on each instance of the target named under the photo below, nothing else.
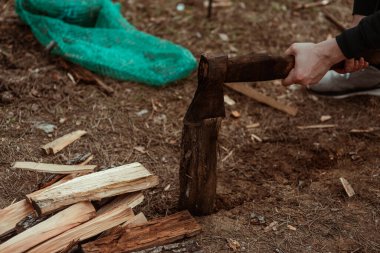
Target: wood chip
(235, 114)
(255, 137)
(290, 227)
(325, 118)
(233, 244)
(317, 126)
(60, 143)
(254, 125)
(347, 187)
(53, 168)
(228, 100)
(272, 226)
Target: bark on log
(11, 215)
(154, 233)
(199, 138)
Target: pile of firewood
(88, 211)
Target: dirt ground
(291, 177)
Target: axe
(203, 118)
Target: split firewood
(154, 233)
(60, 143)
(138, 219)
(347, 187)
(53, 168)
(252, 93)
(102, 222)
(130, 200)
(55, 225)
(95, 186)
(58, 179)
(312, 5)
(317, 126)
(11, 215)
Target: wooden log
(60, 143)
(53, 168)
(102, 222)
(252, 93)
(154, 233)
(13, 214)
(199, 138)
(95, 186)
(55, 225)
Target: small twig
(312, 5)
(333, 20)
(317, 126)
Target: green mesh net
(94, 34)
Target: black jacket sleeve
(364, 7)
(363, 37)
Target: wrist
(330, 51)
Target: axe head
(208, 101)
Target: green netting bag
(94, 34)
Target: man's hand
(353, 65)
(312, 61)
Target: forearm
(365, 36)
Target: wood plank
(154, 233)
(11, 215)
(53, 168)
(252, 93)
(60, 143)
(55, 225)
(95, 186)
(102, 222)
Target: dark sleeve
(363, 37)
(364, 7)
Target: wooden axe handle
(262, 67)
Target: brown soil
(292, 177)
